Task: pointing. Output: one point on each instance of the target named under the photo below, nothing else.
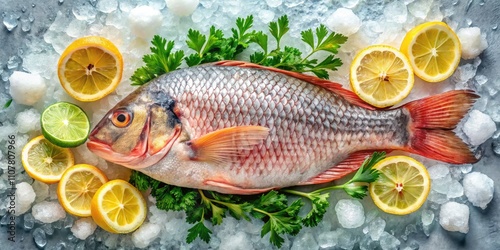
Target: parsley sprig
(280, 215)
(291, 58)
(215, 46)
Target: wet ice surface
(360, 225)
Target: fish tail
(431, 125)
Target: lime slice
(65, 124)
(44, 161)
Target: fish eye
(121, 118)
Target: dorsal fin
(332, 86)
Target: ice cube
(83, 228)
(479, 127)
(266, 16)
(340, 238)
(304, 241)
(274, 3)
(76, 28)
(39, 237)
(440, 184)
(454, 217)
(143, 236)
(107, 6)
(85, 12)
(327, 240)
(144, 21)
(376, 228)
(182, 7)
(10, 20)
(13, 62)
(479, 189)
(29, 221)
(388, 241)
(25, 195)
(83, 155)
(343, 21)
(26, 88)
(25, 24)
(420, 9)
(237, 241)
(455, 190)
(48, 211)
(350, 213)
(438, 171)
(427, 217)
(396, 12)
(473, 42)
(436, 197)
(28, 120)
(349, 3)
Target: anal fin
(345, 167)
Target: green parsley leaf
(7, 104)
(161, 61)
(199, 230)
(279, 29)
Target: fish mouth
(142, 156)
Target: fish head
(137, 133)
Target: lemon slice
(433, 49)
(118, 207)
(90, 68)
(45, 161)
(65, 124)
(77, 186)
(402, 187)
(381, 75)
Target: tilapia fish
(236, 127)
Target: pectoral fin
(222, 145)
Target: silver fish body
(311, 129)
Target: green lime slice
(65, 125)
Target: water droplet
(495, 27)
(60, 2)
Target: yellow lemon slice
(90, 68)
(381, 75)
(402, 187)
(77, 186)
(45, 161)
(433, 49)
(118, 207)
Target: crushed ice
(130, 26)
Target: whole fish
(240, 128)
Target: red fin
(432, 121)
(225, 187)
(221, 145)
(345, 167)
(332, 86)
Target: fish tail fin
(431, 125)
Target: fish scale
(240, 128)
(308, 124)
